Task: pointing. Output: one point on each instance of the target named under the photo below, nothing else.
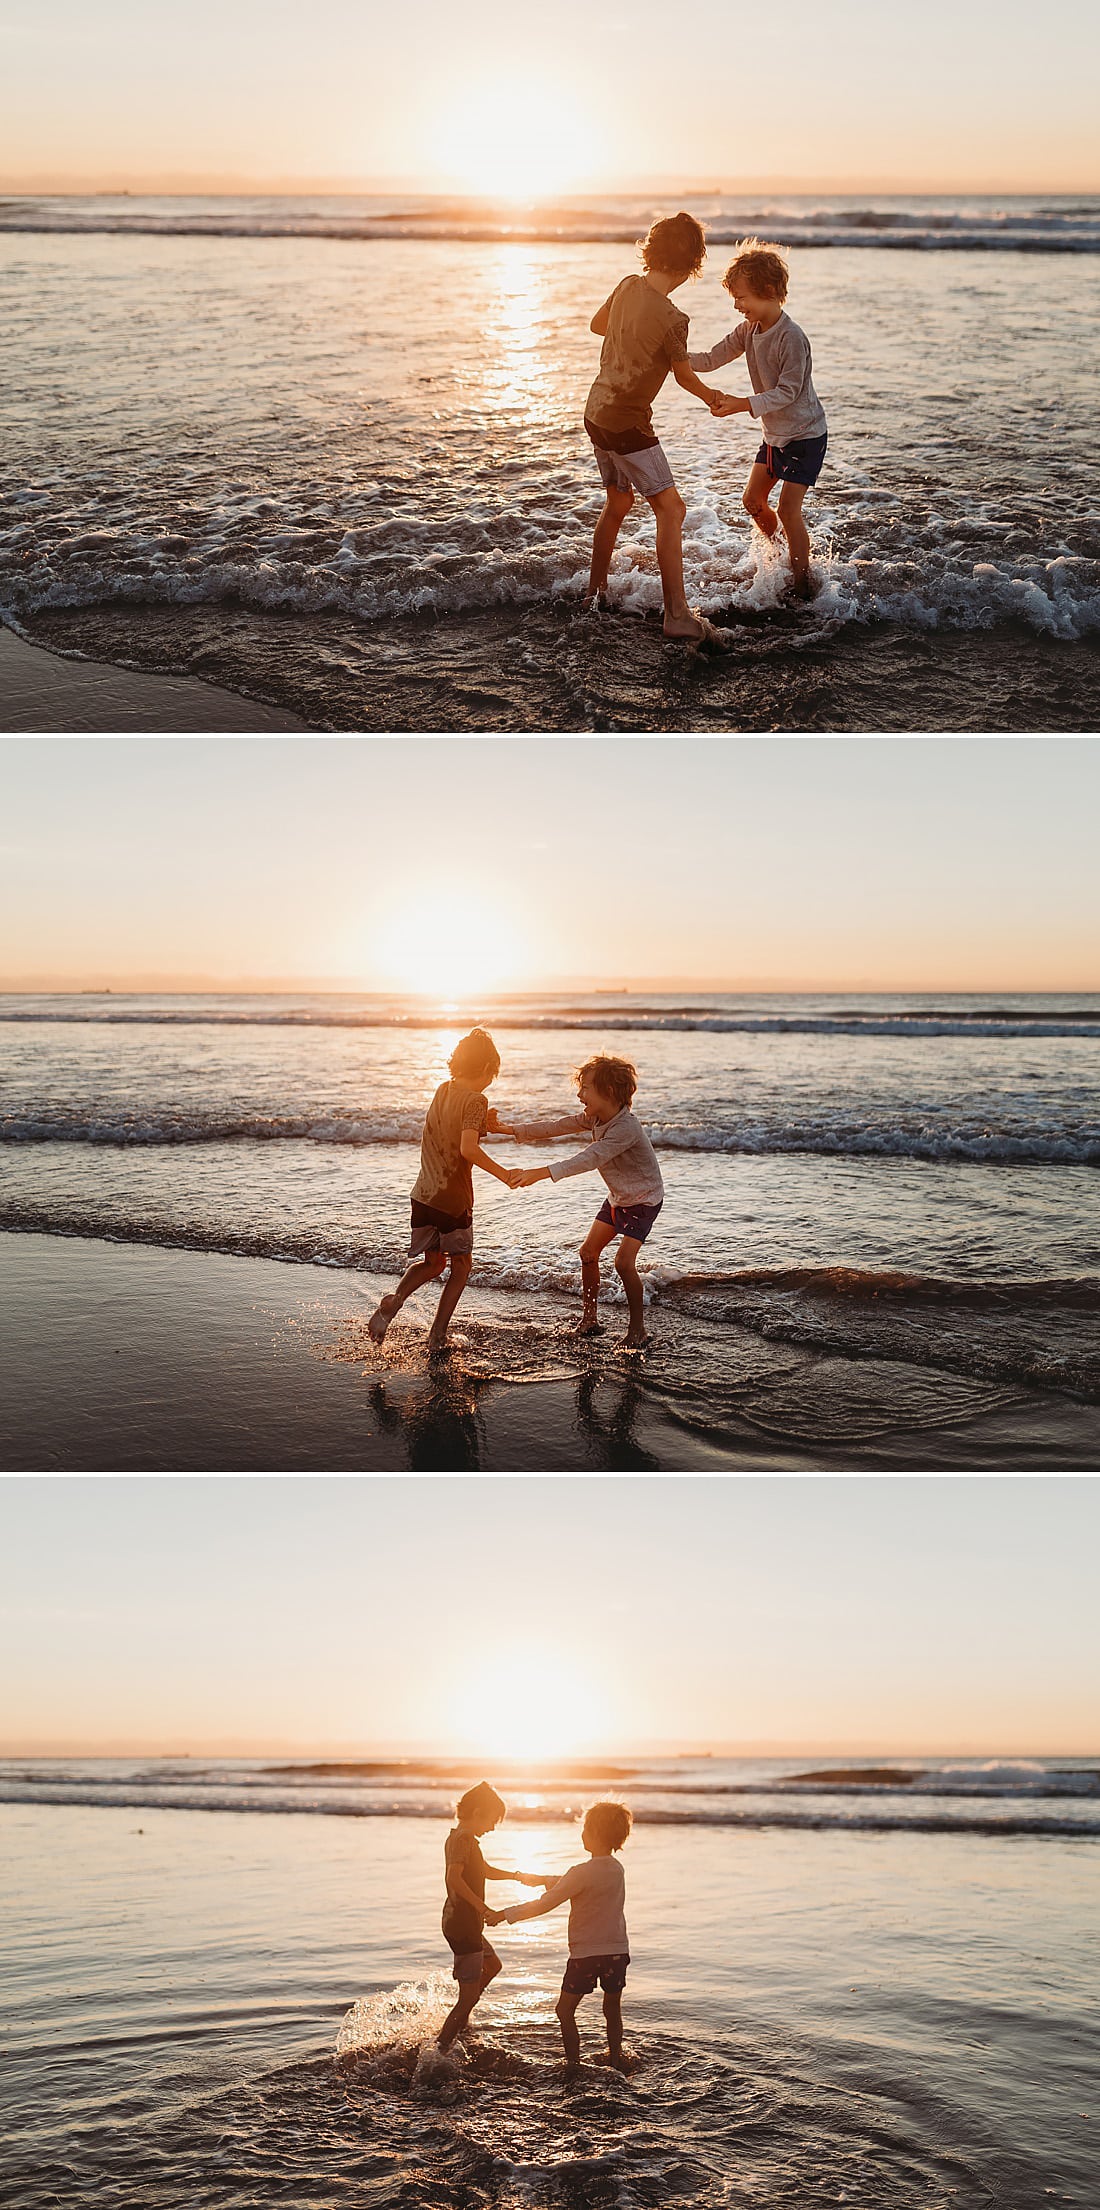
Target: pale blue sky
(957, 91)
(953, 1615)
(818, 862)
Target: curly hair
(610, 1821)
(615, 1077)
(759, 265)
(674, 242)
(475, 1058)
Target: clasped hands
(723, 402)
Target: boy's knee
(590, 1252)
(624, 1262)
(790, 499)
(564, 2007)
(461, 1263)
(753, 501)
(619, 500)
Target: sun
(528, 1704)
(509, 139)
(448, 944)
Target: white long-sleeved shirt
(619, 1149)
(780, 366)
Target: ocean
(880, 1212)
(329, 454)
(873, 1986)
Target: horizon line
(391, 1754)
(221, 184)
(539, 986)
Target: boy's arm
(540, 1131)
(552, 1901)
(607, 1146)
(729, 348)
(687, 379)
(526, 1879)
(457, 1886)
(602, 316)
(471, 1149)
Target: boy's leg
(668, 513)
(459, 1275)
(796, 534)
(414, 1277)
(600, 1234)
(617, 505)
(566, 2013)
(469, 1993)
(756, 495)
(626, 1267)
(613, 2015)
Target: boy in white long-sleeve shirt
(621, 1151)
(598, 1945)
(791, 415)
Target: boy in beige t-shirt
(644, 337)
(598, 1946)
(442, 1231)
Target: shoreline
(125, 1357)
(44, 692)
(543, 668)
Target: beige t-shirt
(645, 335)
(445, 1180)
(596, 1894)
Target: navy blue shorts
(800, 461)
(635, 1220)
(582, 1973)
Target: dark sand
(43, 695)
(118, 1357)
(531, 668)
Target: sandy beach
(44, 694)
(137, 1358)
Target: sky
(490, 95)
(461, 866)
(901, 1614)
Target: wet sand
(41, 694)
(119, 1357)
(546, 668)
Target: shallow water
(357, 431)
(817, 2017)
(908, 1182)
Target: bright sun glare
(527, 1704)
(451, 944)
(512, 141)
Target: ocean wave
(735, 584)
(1012, 1825)
(1008, 231)
(690, 1019)
(826, 1138)
(1023, 1336)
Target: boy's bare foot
(802, 587)
(633, 1342)
(588, 1327)
(691, 627)
(597, 602)
(380, 1319)
(623, 2063)
(439, 1347)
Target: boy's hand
(523, 1177)
(727, 404)
(493, 1918)
(516, 1177)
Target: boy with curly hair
(598, 1945)
(644, 336)
(622, 1153)
(791, 415)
